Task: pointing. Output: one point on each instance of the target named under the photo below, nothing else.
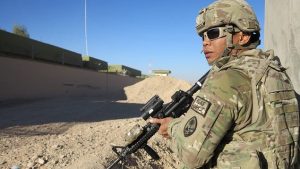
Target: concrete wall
(29, 79)
(282, 33)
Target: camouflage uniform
(212, 116)
(220, 130)
(245, 116)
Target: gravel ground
(80, 132)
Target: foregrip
(153, 128)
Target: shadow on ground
(63, 111)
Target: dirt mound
(163, 86)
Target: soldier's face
(214, 43)
(213, 49)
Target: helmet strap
(229, 44)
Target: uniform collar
(225, 59)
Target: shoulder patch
(190, 127)
(200, 106)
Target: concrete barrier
(282, 33)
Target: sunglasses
(214, 33)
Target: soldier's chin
(210, 62)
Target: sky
(142, 34)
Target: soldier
(246, 115)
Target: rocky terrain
(78, 133)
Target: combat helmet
(232, 14)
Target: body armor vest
(275, 107)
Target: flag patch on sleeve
(200, 106)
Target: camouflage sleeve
(215, 109)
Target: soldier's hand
(164, 123)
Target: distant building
(94, 63)
(124, 70)
(161, 72)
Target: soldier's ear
(244, 38)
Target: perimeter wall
(30, 79)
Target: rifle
(138, 136)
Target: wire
(85, 30)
